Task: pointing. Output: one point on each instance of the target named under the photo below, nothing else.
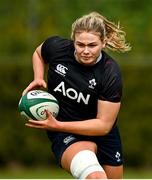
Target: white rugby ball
(33, 105)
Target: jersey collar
(99, 58)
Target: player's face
(88, 46)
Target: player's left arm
(101, 125)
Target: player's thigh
(113, 172)
(73, 149)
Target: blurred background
(27, 23)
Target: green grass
(34, 173)
(58, 173)
(138, 173)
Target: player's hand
(49, 124)
(38, 83)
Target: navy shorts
(109, 149)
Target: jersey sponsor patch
(71, 93)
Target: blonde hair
(107, 30)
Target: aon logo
(72, 93)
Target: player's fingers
(48, 114)
(31, 86)
(31, 121)
(34, 85)
(34, 126)
(35, 123)
(27, 90)
(24, 92)
(44, 84)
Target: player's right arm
(39, 70)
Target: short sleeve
(111, 87)
(48, 48)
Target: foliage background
(27, 23)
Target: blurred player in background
(87, 83)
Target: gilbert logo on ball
(33, 105)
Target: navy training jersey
(78, 87)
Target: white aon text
(72, 93)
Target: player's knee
(85, 165)
(97, 175)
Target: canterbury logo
(68, 139)
(60, 69)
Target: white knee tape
(84, 163)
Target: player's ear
(104, 42)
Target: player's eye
(81, 45)
(92, 45)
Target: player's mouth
(86, 57)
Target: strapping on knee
(84, 163)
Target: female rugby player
(87, 83)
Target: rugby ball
(33, 105)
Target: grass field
(58, 173)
